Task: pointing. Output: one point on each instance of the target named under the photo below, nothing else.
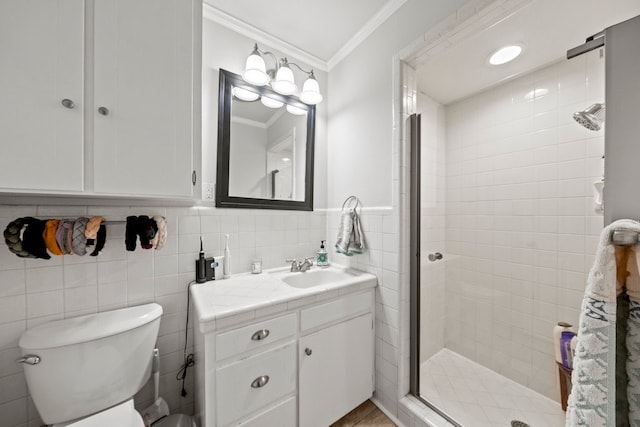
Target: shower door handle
(435, 256)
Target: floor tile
(476, 396)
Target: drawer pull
(261, 381)
(308, 351)
(260, 335)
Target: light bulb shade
(255, 70)
(271, 103)
(284, 83)
(244, 95)
(297, 111)
(311, 92)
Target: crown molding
(248, 122)
(367, 29)
(211, 13)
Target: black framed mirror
(265, 148)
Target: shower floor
(476, 396)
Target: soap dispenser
(323, 257)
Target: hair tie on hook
(131, 233)
(49, 235)
(101, 239)
(161, 235)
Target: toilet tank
(90, 363)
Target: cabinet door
(338, 374)
(143, 97)
(41, 64)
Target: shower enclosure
(505, 229)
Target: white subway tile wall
(36, 291)
(521, 229)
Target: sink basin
(324, 277)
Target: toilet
(84, 371)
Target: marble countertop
(242, 297)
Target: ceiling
(325, 29)
(546, 29)
(318, 27)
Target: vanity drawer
(253, 383)
(282, 415)
(254, 336)
(336, 310)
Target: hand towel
(592, 399)
(350, 239)
(632, 339)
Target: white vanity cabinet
(305, 366)
(99, 97)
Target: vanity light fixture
(505, 54)
(281, 78)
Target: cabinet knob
(103, 111)
(67, 103)
(261, 381)
(308, 351)
(260, 335)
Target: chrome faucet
(301, 265)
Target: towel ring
(350, 199)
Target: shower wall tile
(520, 223)
(36, 291)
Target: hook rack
(351, 199)
(624, 237)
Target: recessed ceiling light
(505, 54)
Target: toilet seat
(122, 415)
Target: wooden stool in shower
(564, 375)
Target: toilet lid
(123, 415)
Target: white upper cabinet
(127, 127)
(41, 67)
(143, 97)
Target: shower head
(592, 118)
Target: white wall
(521, 231)
(360, 107)
(364, 145)
(623, 150)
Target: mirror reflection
(267, 154)
(265, 147)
